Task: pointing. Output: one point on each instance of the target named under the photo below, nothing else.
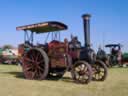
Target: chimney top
(86, 16)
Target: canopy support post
(28, 37)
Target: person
(101, 53)
(66, 44)
(116, 55)
(119, 56)
(74, 48)
(114, 50)
(75, 43)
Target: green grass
(12, 83)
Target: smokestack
(86, 22)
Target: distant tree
(7, 46)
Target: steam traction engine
(50, 59)
(53, 59)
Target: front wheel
(81, 72)
(100, 71)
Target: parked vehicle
(116, 57)
(7, 56)
(54, 58)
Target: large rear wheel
(35, 64)
(81, 72)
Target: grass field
(12, 83)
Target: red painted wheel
(82, 72)
(35, 64)
(100, 71)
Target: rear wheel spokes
(28, 65)
(36, 74)
(28, 60)
(39, 57)
(34, 65)
(28, 68)
(41, 69)
(31, 55)
(33, 75)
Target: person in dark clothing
(74, 44)
(101, 54)
(113, 51)
(74, 48)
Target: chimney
(86, 23)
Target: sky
(108, 22)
